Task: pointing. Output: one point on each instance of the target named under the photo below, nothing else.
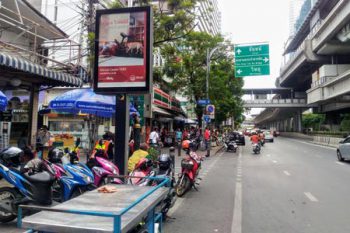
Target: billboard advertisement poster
(123, 50)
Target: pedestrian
(154, 137)
(142, 152)
(43, 141)
(22, 142)
(185, 134)
(178, 136)
(207, 138)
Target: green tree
(345, 123)
(173, 19)
(311, 120)
(186, 67)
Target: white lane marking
(236, 226)
(287, 173)
(311, 197)
(268, 155)
(340, 163)
(274, 161)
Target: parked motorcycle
(73, 179)
(190, 167)
(102, 169)
(29, 187)
(143, 169)
(256, 148)
(166, 169)
(230, 145)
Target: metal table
(99, 212)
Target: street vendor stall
(93, 211)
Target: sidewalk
(213, 151)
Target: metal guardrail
(276, 103)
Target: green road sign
(252, 60)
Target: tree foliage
(345, 123)
(172, 19)
(311, 120)
(186, 66)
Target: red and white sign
(123, 50)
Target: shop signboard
(123, 51)
(6, 116)
(203, 102)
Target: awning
(24, 65)
(161, 111)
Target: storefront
(26, 69)
(87, 127)
(167, 112)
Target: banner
(123, 50)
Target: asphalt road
(291, 187)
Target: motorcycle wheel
(9, 194)
(182, 186)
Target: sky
(249, 21)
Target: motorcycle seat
(40, 177)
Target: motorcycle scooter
(29, 187)
(102, 170)
(165, 168)
(142, 170)
(256, 148)
(190, 167)
(73, 177)
(230, 145)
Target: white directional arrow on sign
(239, 71)
(239, 51)
(266, 59)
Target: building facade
(209, 17)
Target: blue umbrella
(3, 101)
(84, 101)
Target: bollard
(179, 148)
(172, 155)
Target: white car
(343, 150)
(268, 136)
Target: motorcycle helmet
(55, 155)
(186, 144)
(164, 161)
(12, 156)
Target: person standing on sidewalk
(207, 140)
(154, 137)
(178, 136)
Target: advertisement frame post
(123, 65)
(129, 73)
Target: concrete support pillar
(33, 114)
(299, 118)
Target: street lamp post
(209, 55)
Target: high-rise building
(294, 12)
(209, 17)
